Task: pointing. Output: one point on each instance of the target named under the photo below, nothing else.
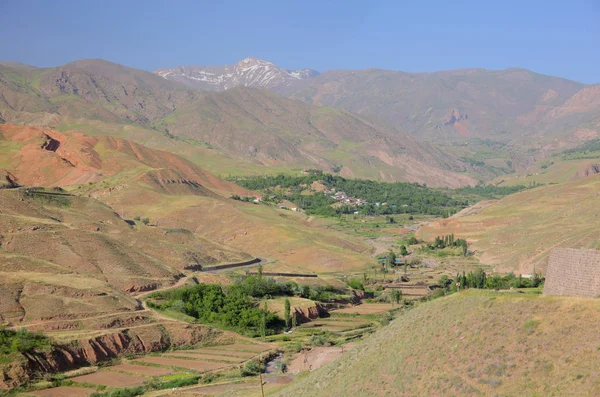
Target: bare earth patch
(315, 358)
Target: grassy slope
(473, 344)
(518, 232)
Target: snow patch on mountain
(249, 72)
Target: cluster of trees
(21, 341)
(246, 199)
(211, 303)
(482, 191)
(236, 306)
(590, 149)
(267, 287)
(448, 241)
(479, 279)
(400, 197)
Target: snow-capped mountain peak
(250, 72)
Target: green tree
(259, 271)
(294, 320)
(390, 260)
(286, 315)
(263, 321)
(396, 296)
(403, 250)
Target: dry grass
(473, 343)
(518, 232)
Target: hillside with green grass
(472, 343)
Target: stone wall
(573, 272)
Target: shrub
(128, 392)
(251, 368)
(355, 284)
(145, 221)
(281, 366)
(318, 340)
(21, 341)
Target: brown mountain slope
(499, 105)
(274, 130)
(247, 123)
(58, 245)
(37, 156)
(92, 89)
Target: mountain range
(519, 114)
(447, 128)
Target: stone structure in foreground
(573, 272)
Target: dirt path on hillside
(381, 244)
(317, 357)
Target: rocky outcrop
(306, 314)
(453, 116)
(590, 169)
(141, 340)
(51, 144)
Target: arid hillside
(273, 130)
(457, 104)
(250, 125)
(471, 344)
(518, 232)
(42, 157)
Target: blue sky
(555, 37)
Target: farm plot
(241, 347)
(111, 379)
(220, 353)
(63, 391)
(196, 365)
(365, 308)
(143, 370)
(207, 358)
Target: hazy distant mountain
(469, 103)
(92, 89)
(249, 72)
(497, 105)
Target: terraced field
(159, 368)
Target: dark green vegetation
(399, 197)
(21, 341)
(52, 197)
(449, 241)
(225, 307)
(588, 150)
(382, 198)
(149, 386)
(236, 307)
(482, 191)
(478, 279)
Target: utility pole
(262, 390)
